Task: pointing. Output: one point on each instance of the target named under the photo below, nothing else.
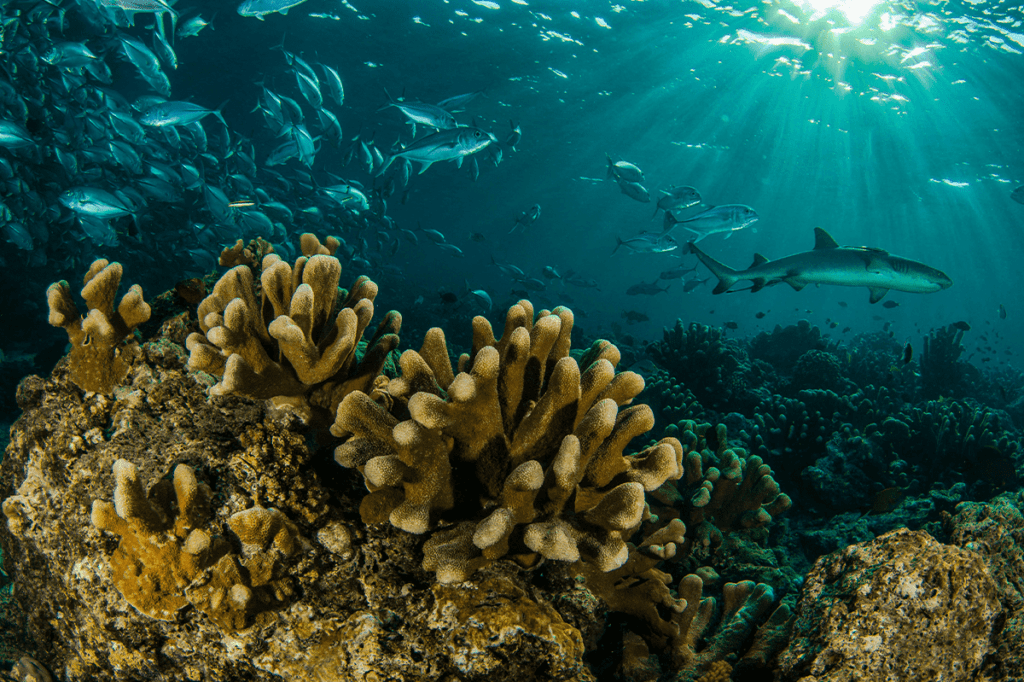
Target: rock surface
(901, 607)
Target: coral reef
(521, 452)
(942, 370)
(716, 369)
(102, 343)
(783, 347)
(233, 547)
(166, 559)
(291, 343)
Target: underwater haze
(891, 125)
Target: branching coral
(722, 490)
(716, 369)
(942, 371)
(103, 345)
(520, 454)
(166, 559)
(291, 342)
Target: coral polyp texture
(167, 559)
(102, 343)
(300, 338)
(521, 454)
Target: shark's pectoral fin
(876, 294)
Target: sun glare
(855, 11)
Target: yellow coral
(166, 559)
(102, 343)
(520, 449)
(296, 341)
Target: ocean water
(893, 126)
(890, 125)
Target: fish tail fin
(726, 275)
(618, 243)
(219, 112)
(279, 46)
(391, 101)
(384, 166)
(670, 221)
(611, 166)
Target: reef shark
(829, 263)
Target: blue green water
(899, 132)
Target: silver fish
(446, 145)
(261, 8)
(178, 114)
(727, 218)
(648, 242)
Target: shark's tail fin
(726, 275)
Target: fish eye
(477, 133)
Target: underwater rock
(995, 530)
(902, 607)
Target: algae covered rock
(217, 548)
(902, 607)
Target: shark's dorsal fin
(758, 260)
(876, 294)
(823, 240)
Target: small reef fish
(908, 353)
(261, 8)
(446, 145)
(633, 316)
(692, 284)
(890, 304)
(513, 137)
(623, 171)
(429, 115)
(648, 242)
(526, 218)
(829, 263)
(634, 190)
(459, 102)
(1018, 195)
(677, 199)
(1002, 312)
(192, 26)
(727, 218)
(645, 289)
(677, 272)
(178, 114)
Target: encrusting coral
(299, 339)
(166, 559)
(102, 343)
(521, 454)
